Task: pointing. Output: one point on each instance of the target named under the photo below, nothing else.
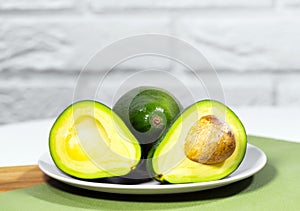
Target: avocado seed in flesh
(209, 141)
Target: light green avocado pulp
(88, 140)
(169, 162)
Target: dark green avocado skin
(149, 167)
(141, 107)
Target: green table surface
(275, 187)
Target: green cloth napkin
(275, 187)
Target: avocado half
(89, 141)
(206, 142)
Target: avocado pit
(209, 141)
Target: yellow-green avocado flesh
(167, 161)
(89, 141)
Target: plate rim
(116, 188)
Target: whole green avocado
(147, 112)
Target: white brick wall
(290, 3)
(67, 43)
(103, 5)
(247, 43)
(41, 5)
(287, 87)
(34, 96)
(254, 46)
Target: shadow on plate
(57, 193)
(262, 178)
(221, 192)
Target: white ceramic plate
(255, 159)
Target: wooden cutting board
(17, 177)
